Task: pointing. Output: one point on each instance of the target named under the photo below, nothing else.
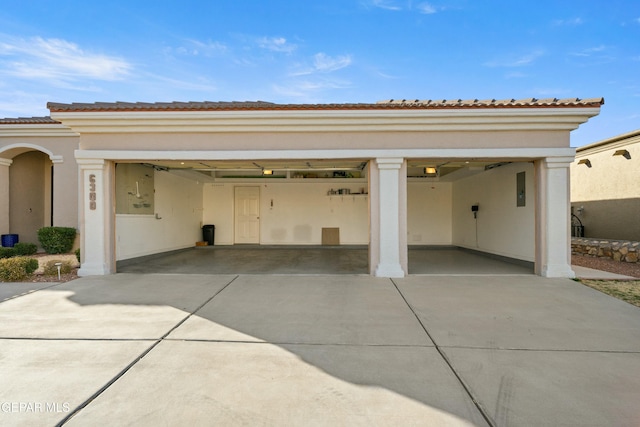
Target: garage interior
(312, 216)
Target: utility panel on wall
(521, 190)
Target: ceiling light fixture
(431, 171)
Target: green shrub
(17, 268)
(57, 240)
(31, 265)
(78, 254)
(7, 252)
(50, 268)
(25, 248)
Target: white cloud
(386, 4)
(196, 48)
(568, 22)
(590, 51)
(395, 5)
(308, 89)
(276, 44)
(323, 63)
(427, 8)
(519, 61)
(57, 60)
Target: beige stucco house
(142, 178)
(605, 187)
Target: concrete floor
(313, 260)
(190, 349)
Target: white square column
(387, 193)
(96, 224)
(4, 195)
(553, 217)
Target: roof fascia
(609, 144)
(487, 119)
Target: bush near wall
(17, 268)
(57, 240)
(6, 252)
(25, 249)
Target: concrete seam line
(466, 388)
(542, 350)
(32, 291)
(137, 359)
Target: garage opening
(316, 209)
(470, 216)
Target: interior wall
(501, 227)
(293, 213)
(429, 211)
(27, 193)
(178, 207)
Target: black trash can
(209, 233)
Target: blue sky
(325, 51)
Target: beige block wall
(606, 196)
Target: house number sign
(92, 192)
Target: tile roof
(380, 105)
(29, 121)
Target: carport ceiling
(448, 169)
(244, 165)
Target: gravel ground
(44, 258)
(606, 264)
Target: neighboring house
(491, 176)
(605, 187)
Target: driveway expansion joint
(444, 357)
(138, 359)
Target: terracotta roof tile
(29, 121)
(380, 105)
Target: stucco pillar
(96, 225)
(387, 190)
(4, 195)
(553, 216)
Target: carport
(284, 152)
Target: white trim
(83, 156)
(392, 120)
(38, 130)
(599, 147)
(6, 162)
(55, 158)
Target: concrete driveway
(144, 349)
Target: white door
(247, 213)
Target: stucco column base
(93, 269)
(558, 270)
(389, 270)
